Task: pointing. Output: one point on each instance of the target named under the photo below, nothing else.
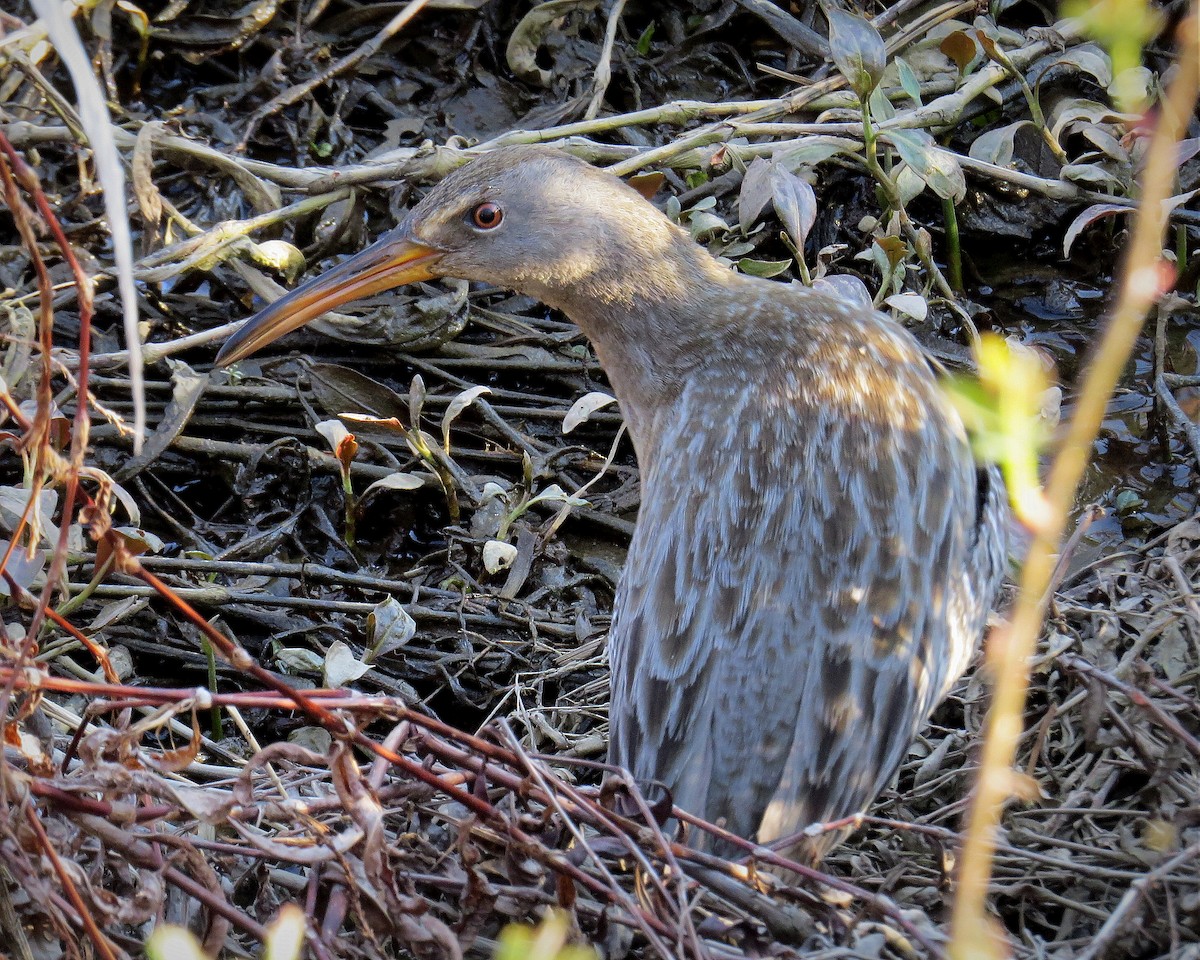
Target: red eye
(487, 216)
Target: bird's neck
(652, 319)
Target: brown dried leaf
(959, 47)
(142, 174)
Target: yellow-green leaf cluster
(1001, 407)
(546, 941)
(1124, 27)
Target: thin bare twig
(1010, 647)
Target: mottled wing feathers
(784, 621)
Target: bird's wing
(785, 618)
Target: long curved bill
(392, 261)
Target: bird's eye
(487, 216)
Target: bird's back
(813, 565)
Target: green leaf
(1001, 408)
(1132, 87)
(1127, 501)
(795, 203)
(937, 167)
(547, 941)
(815, 150)
(858, 50)
(1092, 175)
(881, 107)
(643, 44)
(997, 146)
(703, 224)
(909, 81)
(763, 268)
(1091, 60)
(755, 193)
(1124, 27)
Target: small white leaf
(555, 494)
(334, 432)
(13, 501)
(909, 184)
(1050, 407)
(997, 146)
(396, 481)
(847, 288)
(142, 538)
(22, 567)
(491, 490)
(208, 804)
(173, 943)
(390, 422)
(131, 508)
(498, 555)
(298, 660)
(390, 627)
(583, 408)
(280, 256)
(342, 666)
(912, 304)
(456, 407)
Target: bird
(816, 550)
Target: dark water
(1141, 473)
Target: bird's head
(526, 218)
